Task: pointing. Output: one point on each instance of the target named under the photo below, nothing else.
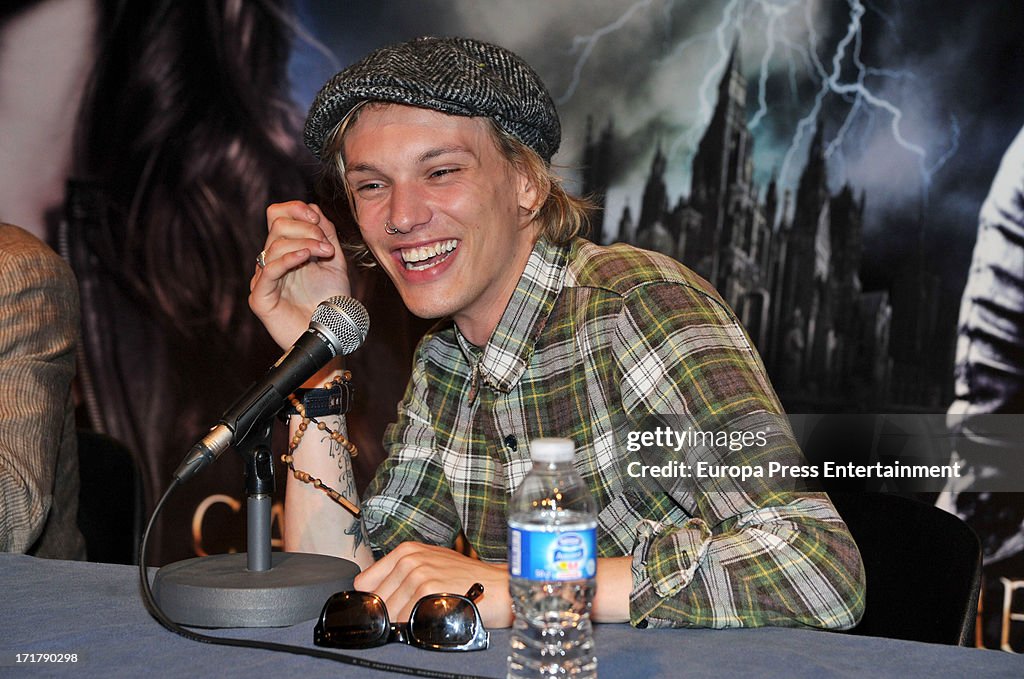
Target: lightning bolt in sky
(864, 99)
(585, 46)
(836, 73)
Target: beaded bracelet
(336, 436)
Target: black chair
(923, 568)
(110, 504)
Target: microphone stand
(260, 588)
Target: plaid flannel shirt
(595, 343)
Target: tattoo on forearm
(348, 479)
(346, 484)
(355, 529)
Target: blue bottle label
(551, 555)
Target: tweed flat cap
(457, 76)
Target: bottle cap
(552, 450)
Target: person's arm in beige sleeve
(39, 320)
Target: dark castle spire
(771, 201)
(732, 66)
(812, 191)
(598, 162)
(721, 168)
(655, 200)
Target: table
(96, 611)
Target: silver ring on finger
(261, 259)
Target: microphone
(338, 326)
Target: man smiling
(441, 186)
(443, 147)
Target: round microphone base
(220, 591)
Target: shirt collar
(502, 361)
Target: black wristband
(321, 402)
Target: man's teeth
(412, 255)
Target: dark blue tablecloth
(96, 611)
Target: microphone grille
(345, 319)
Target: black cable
(161, 617)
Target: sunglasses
(438, 622)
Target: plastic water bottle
(552, 558)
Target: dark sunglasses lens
(443, 621)
(352, 620)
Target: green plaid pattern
(595, 343)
